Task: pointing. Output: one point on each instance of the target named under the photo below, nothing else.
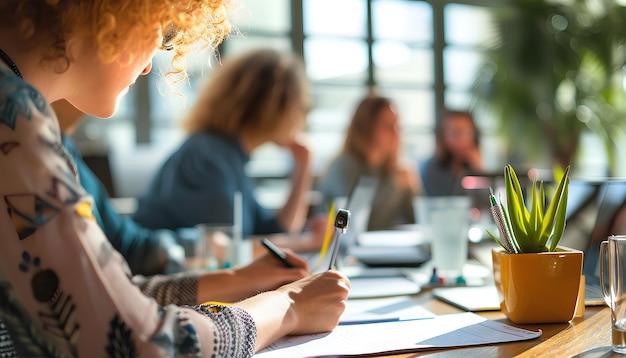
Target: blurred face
(386, 133)
(459, 136)
(293, 122)
(99, 87)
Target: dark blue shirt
(147, 252)
(439, 180)
(197, 184)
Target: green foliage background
(556, 70)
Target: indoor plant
(554, 74)
(537, 280)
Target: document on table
(381, 286)
(444, 331)
(383, 310)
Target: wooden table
(588, 336)
(584, 337)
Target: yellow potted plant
(537, 280)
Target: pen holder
(538, 287)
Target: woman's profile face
(100, 87)
(386, 131)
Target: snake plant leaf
(514, 213)
(535, 214)
(559, 226)
(495, 238)
(548, 223)
(519, 194)
(559, 173)
(542, 196)
(544, 235)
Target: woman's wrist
(291, 318)
(273, 315)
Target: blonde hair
(198, 21)
(250, 93)
(361, 130)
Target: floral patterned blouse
(64, 291)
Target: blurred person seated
(457, 154)
(148, 252)
(372, 148)
(260, 97)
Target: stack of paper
(445, 331)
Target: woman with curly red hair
(63, 290)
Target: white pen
(498, 217)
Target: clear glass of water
(613, 283)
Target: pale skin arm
(311, 305)
(264, 274)
(292, 215)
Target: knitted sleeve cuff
(236, 332)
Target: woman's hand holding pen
(263, 274)
(310, 305)
(317, 301)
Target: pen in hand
(276, 252)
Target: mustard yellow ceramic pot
(538, 287)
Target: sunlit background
(422, 54)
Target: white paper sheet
(371, 286)
(383, 310)
(454, 330)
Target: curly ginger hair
(204, 22)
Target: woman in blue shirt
(262, 97)
(457, 154)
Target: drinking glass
(612, 265)
(445, 221)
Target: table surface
(588, 336)
(583, 337)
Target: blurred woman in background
(372, 149)
(260, 97)
(457, 154)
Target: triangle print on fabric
(29, 212)
(7, 147)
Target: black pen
(276, 252)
